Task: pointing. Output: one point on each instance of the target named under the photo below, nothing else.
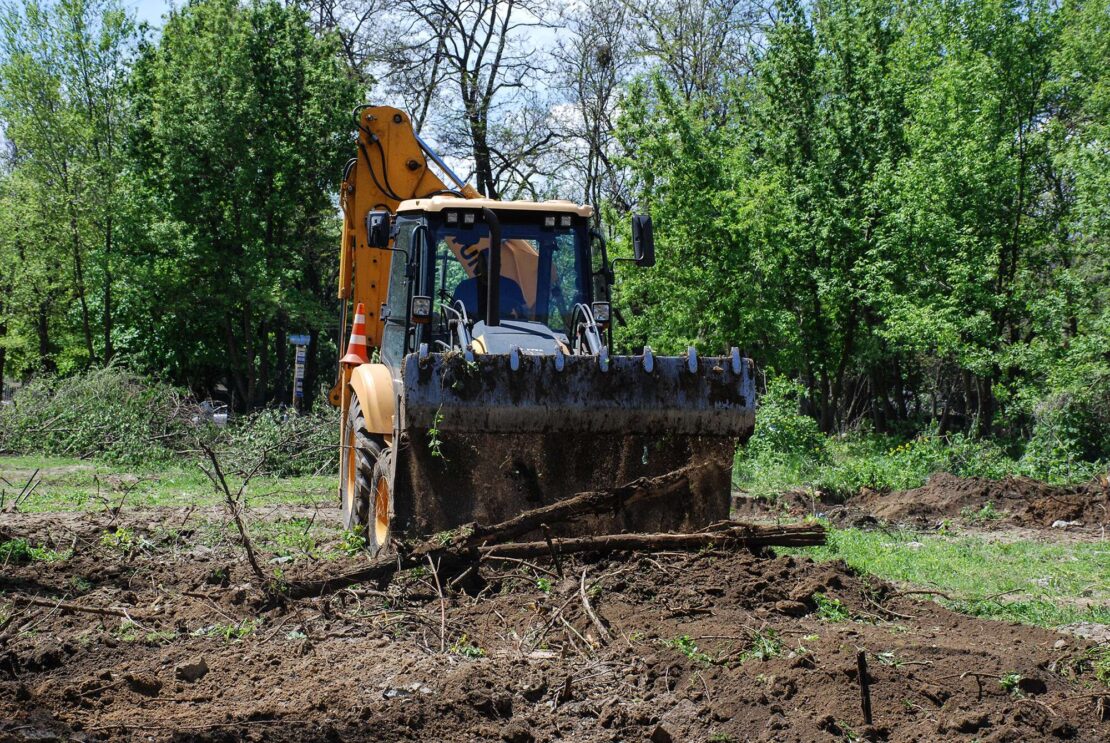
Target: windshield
(544, 270)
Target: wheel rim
(350, 491)
(381, 512)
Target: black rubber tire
(360, 453)
(379, 531)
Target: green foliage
(285, 443)
(435, 444)
(830, 609)
(686, 645)
(169, 199)
(781, 431)
(64, 111)
(1071, 429)
(20, 550)
(107, 413)
(1011, 682)
(250, 93)
(352, 541)
(903, 208)
(448, 536)
(765, 645)
(159, 637)
(230, 631)
(877, 462)
(544, 584)
(116, 417)
(888, 658)
(987, 513)
(1099, 657)
(465, 647)
(121, 540)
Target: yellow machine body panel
(374, 386)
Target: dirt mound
(1013, 500)
(1021, 500)
(707, 646)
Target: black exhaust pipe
(493, 281)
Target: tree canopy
(902, 206)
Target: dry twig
(602, 632)
(234, 506)
(66, 606)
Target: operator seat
(512, 298)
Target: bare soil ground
(1011, 502)
(708, 646)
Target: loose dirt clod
(191, 671)
(1012, 500)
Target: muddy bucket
(488, 438)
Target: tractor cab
(440, 293)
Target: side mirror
(377, 229)
(643, 242)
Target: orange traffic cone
(356, 347)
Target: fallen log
(636, 493)
(736, 537)
(66, 606)
(469, 536)
(473, 541)
(739, 536)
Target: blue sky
(148, 10)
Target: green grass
(1030, 582)
(73, 485)
(838, 466)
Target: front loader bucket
(490, 438)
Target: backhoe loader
(492, 389)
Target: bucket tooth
(692, 360)
(649, 360)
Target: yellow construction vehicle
(490, 397)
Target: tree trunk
(984, 413)
(235, 376)
(311, 371)
(264, 363)
(249, 354)
(281, 353)
(109, 351)
(42, 326)
(826, 403)
(79, 286)
(3, 352)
